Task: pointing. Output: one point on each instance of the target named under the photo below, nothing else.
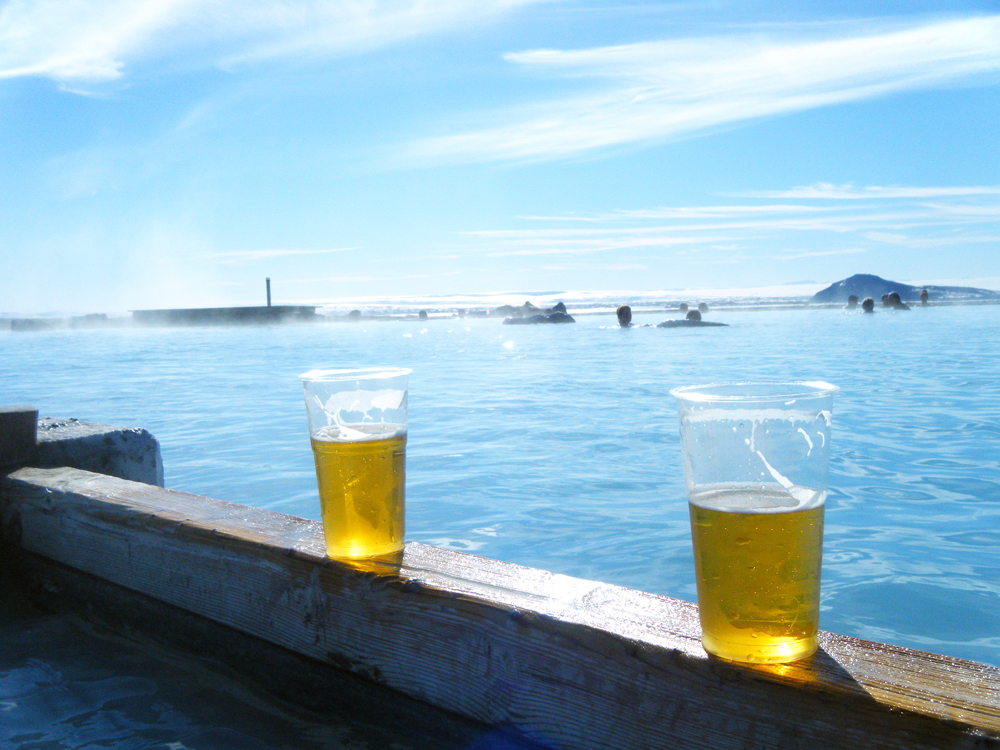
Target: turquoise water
(65, 686)
(557, 446)
(68, 684)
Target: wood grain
(575, 663)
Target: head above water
(694, 315)
(896, 303)
(624, 316)
(868, 305)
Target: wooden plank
(577, 664)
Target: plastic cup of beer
(756, 461)
(357, 426)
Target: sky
(175, 153)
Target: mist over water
(557, 446)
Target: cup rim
(354, 373)
(756, 391)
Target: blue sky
(168, 153)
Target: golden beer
(757, 560)
(361, 490)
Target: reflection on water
(562, 442)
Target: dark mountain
(866, 285)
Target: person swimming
(868, 305)
(552, 317)
(896, 303)
(693, 318)
(852, 302)
(624, 314)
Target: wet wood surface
(573, 663)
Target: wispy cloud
(93, 41)
(242, 256)
(630, 240)
(815, 221)
(792, 255)
(280, 30)
(656, 91)
(358, 279)
(610, 268)
(83, 40)
(827, 191)
(905, 240)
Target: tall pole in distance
(268, 291)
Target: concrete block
(125, 452)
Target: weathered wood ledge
(573, 663)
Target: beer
(361, 488)
(757, 560)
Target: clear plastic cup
(357, 426)
(756, 464)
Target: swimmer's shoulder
(688, 324)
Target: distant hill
(866, 285)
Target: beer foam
(355, 433)
(757, 498)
